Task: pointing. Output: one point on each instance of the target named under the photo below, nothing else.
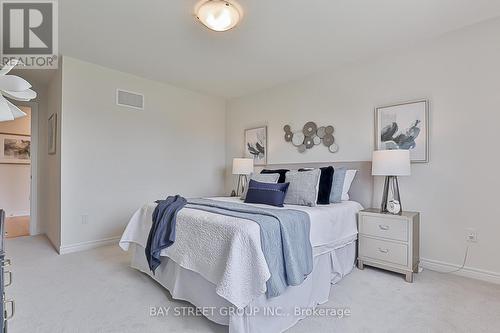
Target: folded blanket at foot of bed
(285, 240)
(162, 233)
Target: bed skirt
(262, 315)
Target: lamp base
(242, 181)
(391, 205)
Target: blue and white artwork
(403, 126)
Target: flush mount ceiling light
(218, 15)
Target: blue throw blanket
(284, 237)
(162, 232)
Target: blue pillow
(266, 193)
(337, 185)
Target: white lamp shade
(391, 163)
(242, 166)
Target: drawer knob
(383, 227)
(6, 315)
(383, 250)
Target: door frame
(34, 166)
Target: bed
(226, 279)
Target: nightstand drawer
(391, 228)
(382, 250)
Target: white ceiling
(277, 41)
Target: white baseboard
(473, 273)
(18, 214)
(64, 249)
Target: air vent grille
(130, 99)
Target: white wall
(460, 74)
(114, 159)
(15, 178)
(49, 167)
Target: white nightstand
(389, 241)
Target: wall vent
(129, 99)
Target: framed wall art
(15, 149)
(256, 145)
(52, 133)
(404, 126)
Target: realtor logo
(29, 33)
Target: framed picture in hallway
(15, 149)
(52, 133)
(256, 145)
(404, 126)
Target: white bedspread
(226, 250)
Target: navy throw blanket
(162, 233)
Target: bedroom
(201, 96)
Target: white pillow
(260, 177)
(349, 177)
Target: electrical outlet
(471, 235)
(85, 219)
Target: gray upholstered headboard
(362, 186)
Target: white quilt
(226, 250)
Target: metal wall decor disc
(328, 140)
(301, 148)
(288, 136)
(321, 132)
(287, 128)
(329, 130)
(316, 140)
(309, 142)
(298, 138)
(333, 148)
(310, 129)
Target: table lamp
(242, 167)
(391, 163)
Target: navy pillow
(266, 193)
(325, 184)
(281, 172)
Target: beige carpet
(96, 291)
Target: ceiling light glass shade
(218, 15)
(13, 87)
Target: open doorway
(16, 156)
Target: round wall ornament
(333, 148)
(321, 132)
(298, 138)
(309, 142)
(328, 140)
(310, 129)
